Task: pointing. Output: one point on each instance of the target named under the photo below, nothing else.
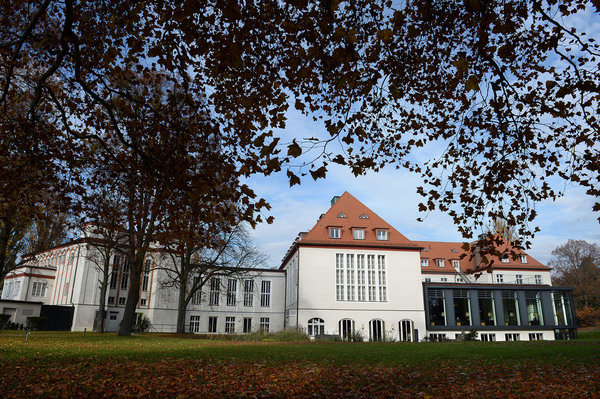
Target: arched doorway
(406, 329)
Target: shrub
(143, 324)
(470, 335)
(588, 316)
(4, 321)
(356, 336)
(36, 323)
(289, 335)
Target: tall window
(359, 234)
(523, 258)
(382, 278)
(197, 297)
(39, 289)
(229, 324)
(538, 279)
(346, 327)
(487, 312)
(510, 305)
(424, 262)
(316, 326)
(334, 232)
(146, 277)
(437, 307)
(339, 277)
(534, 308)
(376, 330)
(65, 290)
(350, 288)
(562, 308)
(231, 291)
(212, 324)
(248, 324)
(125, 274)
(360, 272)
(264, 324)
(215, 284)
(248, 292)
(456, 264)
(499, 278)
(371, 283)
(462, 308)
(440, 262)
(265, 293)
(115, 272)
(194, 323)
(382, 235)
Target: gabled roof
(357, 216)
(453, 250)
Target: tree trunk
(181, 307)
(133, 296)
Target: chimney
(334, 199)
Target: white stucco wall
(317, 291)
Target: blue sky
(392, 194)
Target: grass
(60, 345)
(153, 365)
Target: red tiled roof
(353, 209)
(444, 250)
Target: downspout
(28, 282)
(298, 292)
(75, 274)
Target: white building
(352, 274)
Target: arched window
(346, 329)
(376, 330)
(406, 330)
(316, 326)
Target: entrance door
(406, 330)
(112, 324)
(376, 330)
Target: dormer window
(341, 215)
(382, 235)
(335, 232)
(359, 234)
(456, 264)
(440, 262)
(505, 258)
(363, 216)
(424, 262)
(523, 258)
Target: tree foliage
(577, 263)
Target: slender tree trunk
(182, 307)
(133, 296)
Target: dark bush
(36, 323)
(4, 321)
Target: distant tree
(500, 226)
(190, 266)
(577, 264)
(105, 238)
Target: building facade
(352, 275)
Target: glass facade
(510, 306)
(534, 308)
(487, 312)
(462, 308)
(437, 308)
(563, 311)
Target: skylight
(363, 216)
(341, 215)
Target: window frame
(358, 234)
(382, 235)
(335, 233)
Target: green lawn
(99, 364)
